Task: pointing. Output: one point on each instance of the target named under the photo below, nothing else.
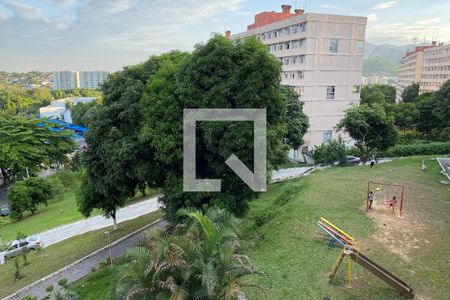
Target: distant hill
(391, 53)
(378, 66)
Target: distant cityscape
(57, 80)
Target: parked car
(18, 246)
(351, 160)
(4, 211)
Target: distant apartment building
(92, 79)
(67, 80)
(429, 66)
(379, 80)
(322, 59)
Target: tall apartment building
(92, 79)
(67, 80)
(429, 66)
(322, 59)
(435, 68)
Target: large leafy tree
(370, 127)
(117, 161)
(28, 144)
(219, 74)
(410, 93)
(136, 137)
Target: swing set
(386, 192)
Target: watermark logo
(255, 180)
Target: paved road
(58, 234)
(83, 267)
(445, 165)
(283, 174)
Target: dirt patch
(399, 235)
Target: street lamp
(110, 251)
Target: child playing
(370, 197)
(393, 203)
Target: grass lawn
(293, 252)
(57, 213)
(97, 285)
(56, 256)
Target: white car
(18, 246)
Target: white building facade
(68, 80)
(65, 80)
(429, 66)
(322, 59)
(92, 79)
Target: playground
(411, 251)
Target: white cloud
(404, 32)
(372, 17)
(3, 15)
(384, 5)
(25, 11)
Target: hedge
(417, 149)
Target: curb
(28, 287)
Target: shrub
(67, 178)
(50, 288)
(409, 136)
(287, 192)
(28, 194)
(63, 282)
(329, 152)
(418, 149)
(29, 297)
(262, 218)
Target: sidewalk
(82, 267)
(133, 211)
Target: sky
(48, 35)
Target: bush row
(417, 149)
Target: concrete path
(133, 211)
(284, 174)
(82, 267)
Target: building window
(300, 91)
(300, 75)
(301, 42)
(334, 43)
(331, 91)
(288, 44)
(356, 89)
(280, 46)
(327, 135)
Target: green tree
(27, 144)
(117, 162)
(219, 74)
(428, 119)
(406, 115)
(80, 112)
(297, 122)
(24, 254)
(28, 194)
(201, 260)
(370, 127)
(410, 93)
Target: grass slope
(56, 256)
(293, 251)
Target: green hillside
(377, 66)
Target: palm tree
(62, 293)
(200, 260)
